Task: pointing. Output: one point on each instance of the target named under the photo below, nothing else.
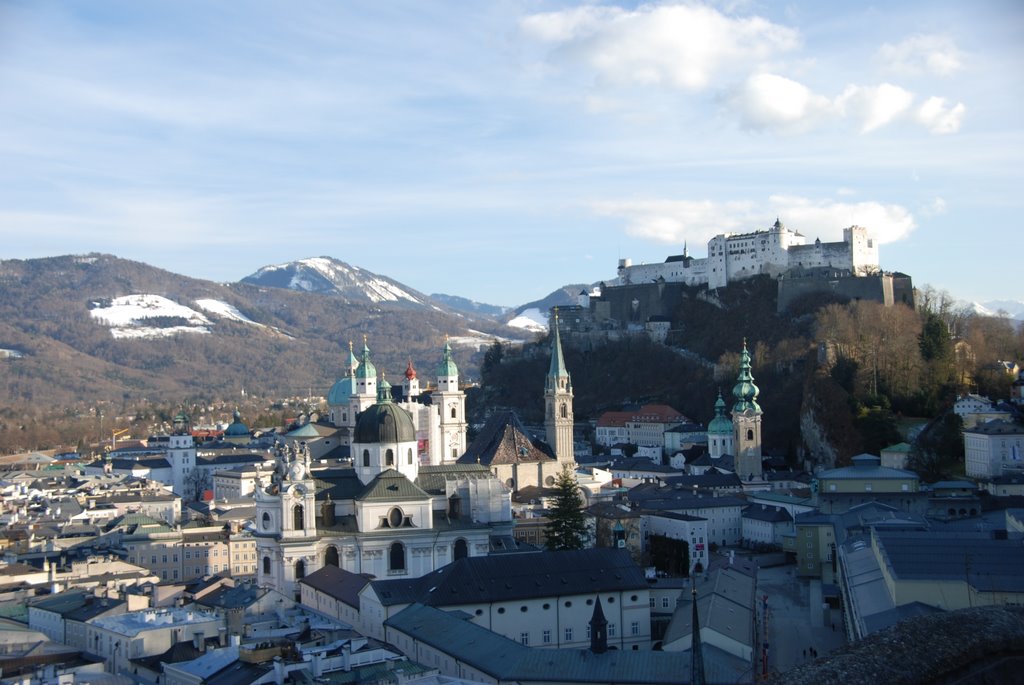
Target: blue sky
(498, 150)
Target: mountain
(1013, 308)
(533, 316)
(463, 304)
(77, 330)
(329, 276)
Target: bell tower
(746, 419)
(558, 417)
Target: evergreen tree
(567, 528)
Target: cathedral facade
(397, 510)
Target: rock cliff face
(820, 452)
(969, 646)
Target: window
(165, 558)
(396, 558)
(652, 602)
(568, 634)
(300, 569)
(266, 520)
(389, 457)
(664, 602)
(299, 518)
(460, 550)
(547, 637)
(524, 638)
(266, 565)
(634, 628)
(188, 554)
(409, 457)
(366, 457)
(454, 416)
(588, 631)
(611, 630)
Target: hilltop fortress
(775, 252)
(645, 296)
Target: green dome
(366, 369)
(720, 425)
(447, 366)
(745, 392)
(237, 429)
(384, 422)
(341, 392)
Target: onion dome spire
(447, 366)
(557, 369)
(366, 369)
(410, 372)
(745, 392)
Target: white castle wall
(734, 257)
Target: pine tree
(567, 528)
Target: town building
(992, 448)
(838, 490)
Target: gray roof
(761, 512)
(505, 440)
(997, 428)
(434, 478)
(710, 480)
(507, 660)
(865, 466)
(509, 577)
(392, 486)
(989, 565)
(337, 583)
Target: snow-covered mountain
(330, 276)
(464, 304)
(1014, 308)
(155, 316)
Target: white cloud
(769, 101)
(939, 118)
(680, 46)
(934, 208)
(923, 53)
(874, 106)
(696, 221)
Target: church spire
(598, 629)
(696, 649)
(745, 392)
(557, 370)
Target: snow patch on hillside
(480, 340)
(225, 310)
(531, 319)
(126, 316)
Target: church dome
(341, 391)
(384, 422)
(720, 425)
(447, 366)
(410, 372)
(237, 429)
(366, 369)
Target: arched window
(460, 550)
(454, 416)
(331, 556)
(266, 566)
(389, 457)
(300, 569)
(750, 434)
(298, 517)
(410, 456)
(366, 457)
(266, 521)
(396, 557)
(564, 411)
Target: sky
(499, 150)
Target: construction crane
(114, 434)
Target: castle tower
(182, 455)
(746, 419)
(451, 407)
(720, 431)
(558, 417)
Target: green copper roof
(383, 391)
(557, 369)
(366, 370)
(342, 390)
(720, 425)
(237, 428)
(447, 366)
(745, 392)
